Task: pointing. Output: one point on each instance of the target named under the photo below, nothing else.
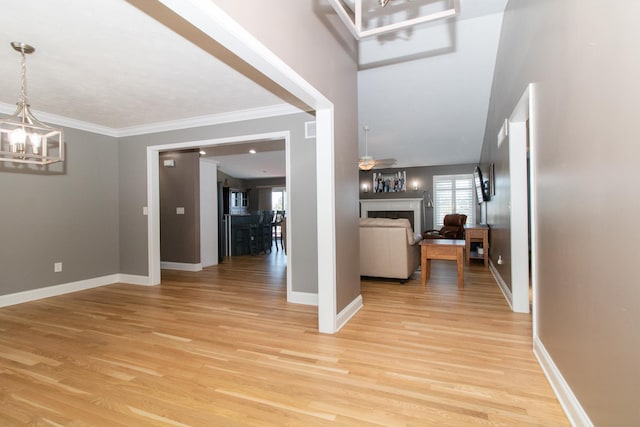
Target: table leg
(467, 248)
(460, 262)
(425, 265)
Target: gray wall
(69, 215)
(583, 56)
(180, 187)
(133, 192)
(311, 39)
(422, 175)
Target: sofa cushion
(393, 223)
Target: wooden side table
(477, 234)
(442, 249)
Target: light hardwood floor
(222, 347)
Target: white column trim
(569, 402)
(211, 20)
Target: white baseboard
(67, 288)
(501, 284)
(182, 266)
(132, 279)
(52, 291)
(572, 408)
(305, 298)
(348, 312)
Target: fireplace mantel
(414, 205)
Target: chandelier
(352, 13)
(23, 138)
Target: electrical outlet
(57, 267)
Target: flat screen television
(482, 192)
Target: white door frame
(519, 205)
(209, 19)
(153, 191)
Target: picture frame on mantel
(389, 182)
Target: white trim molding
(67, 288)
(131, 279)
(348, 312)
(213, 22)
(64, 121)
(182, 266)
(190, 122)
(569, 402)
(211, 119)
(501, 284)
(55, 290)
(305, 298)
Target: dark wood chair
(453, 228)
(277, 227)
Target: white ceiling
(268, 161)
(107, 63)
(424, 93)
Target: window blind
(453, 194)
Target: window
(278, 199)
(453, 194)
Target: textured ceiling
(423, 92)
(107, 63)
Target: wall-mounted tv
(482, 190)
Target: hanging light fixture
(355, 17)
(23, 138)
(366, 162)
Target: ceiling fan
(367, 162)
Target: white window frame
(469, 209)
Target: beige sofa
(388, 248)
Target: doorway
(214, 24)
(522, 167)
(153, 189)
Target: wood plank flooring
(223, 348)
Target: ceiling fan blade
(381, 163)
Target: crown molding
(63, 121)
(191, 122)
(213, 119)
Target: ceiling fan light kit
(23, 138)
(367, 162)
(353, 19)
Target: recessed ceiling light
(203, 152)
(252, 151)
